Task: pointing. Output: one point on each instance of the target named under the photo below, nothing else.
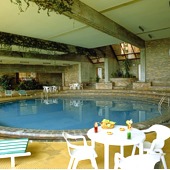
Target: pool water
(69, 114)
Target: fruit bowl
(107, 124)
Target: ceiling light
(141, 28)
(150, 36)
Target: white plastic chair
(54, 89)
(144, 161)
(71, 86)
(162, 133)
(79, 152)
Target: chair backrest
(22, 92)
(145, 161)
(162, 132)
(8, 92)
(70, 145)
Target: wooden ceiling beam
(93, 18)
(87, 15)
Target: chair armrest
(156, 144)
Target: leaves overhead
(57, 6)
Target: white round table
(117, 138)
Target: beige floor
(54, 155)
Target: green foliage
(120, 74)
(97, 79)
(6, 82)
(117, 74)
(29, 85)
(49, 5)
(127, 64)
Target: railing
(161, 101)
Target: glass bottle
(129, 136)
(95, 127)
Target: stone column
(106, 75)
(143, 64)
(79, 73)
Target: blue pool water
(68, 114)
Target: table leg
(93, 143)
(140, 148)
(106, 156)
(122, 150)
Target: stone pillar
(79, 73)
(106, 75)
(143, 65)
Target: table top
(116, 137)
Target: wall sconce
(142, 29)
(150, 36)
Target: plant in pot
(97, 79)
(117, 74)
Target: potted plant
(97, 79)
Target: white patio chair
(54, 88)
(71, 86)
(144, 161)
(79, 152)
(162, 133)
(46, 89)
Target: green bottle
(129, 135)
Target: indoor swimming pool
(73, 113)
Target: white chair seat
(162, 133)
(145, 161)
(79, 152)
(87, 151)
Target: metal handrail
(161, 101)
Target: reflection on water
(49, 101)
(61, 114)
(76, 103)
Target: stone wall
(88, 72)
(122, 82)
(112, 62)
(71, 75)
(104, 86)
(50, 78)
(158, 60)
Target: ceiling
(146, 19)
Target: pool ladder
(161, 101)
